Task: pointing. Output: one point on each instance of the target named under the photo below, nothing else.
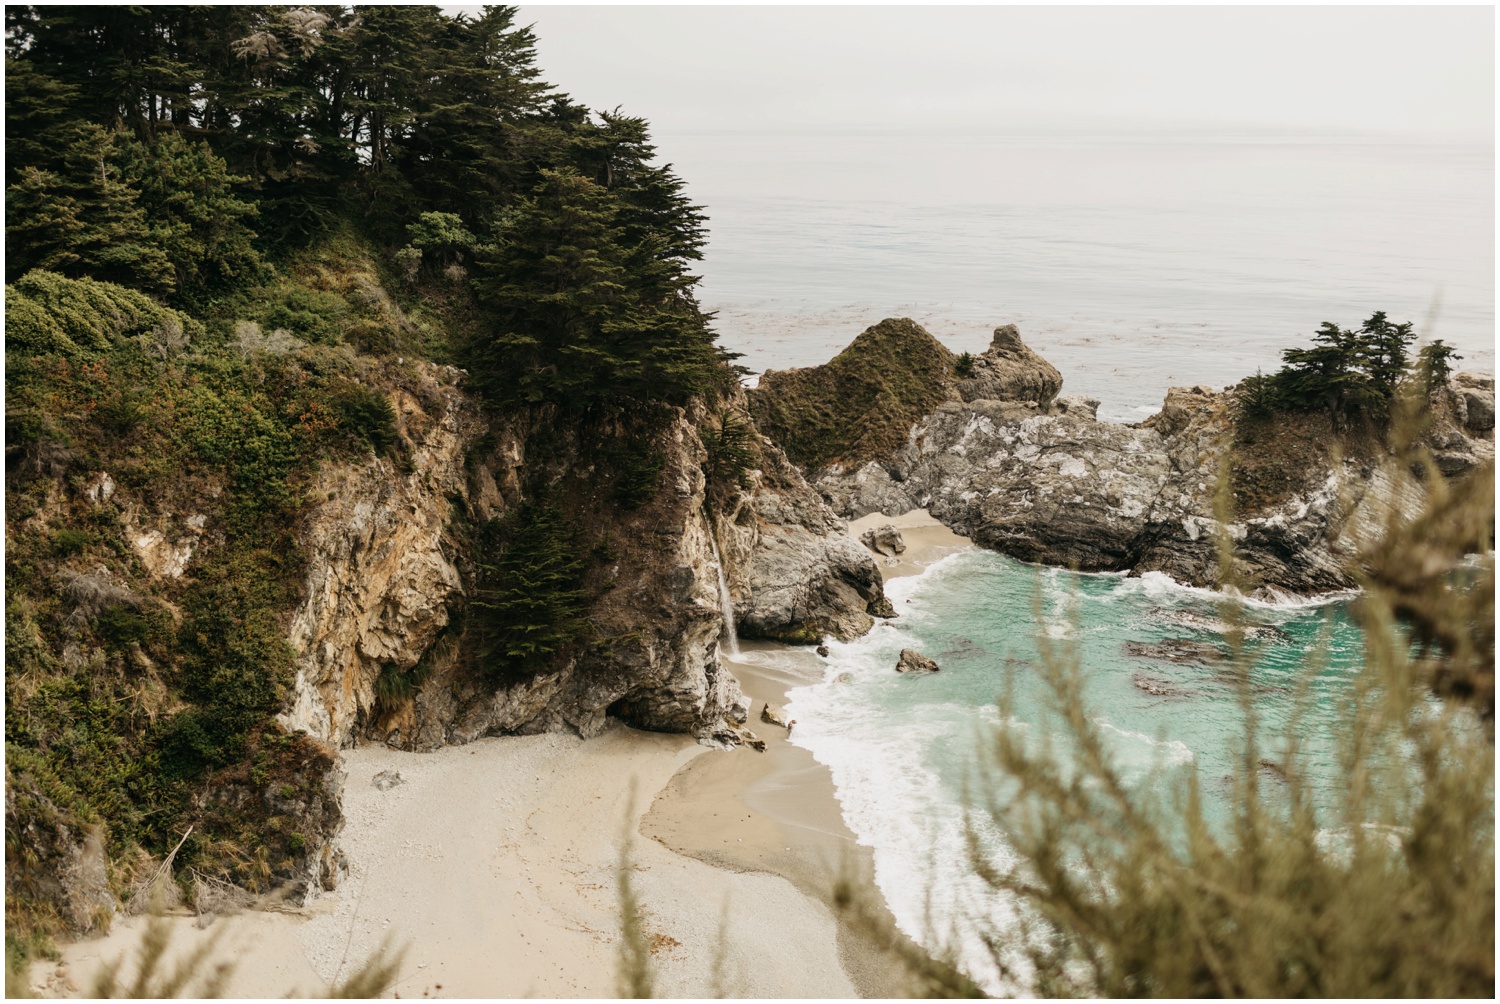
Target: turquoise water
(902, 748)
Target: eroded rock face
(654, 660)
(381, 568)
(384, 578)
(1061, 489)
(795, 574)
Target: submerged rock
(1178, 650)
(915, 662)
(1213, 625)
(1159, 686)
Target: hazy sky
(1411, 70)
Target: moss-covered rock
(859, 405)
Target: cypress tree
(530, 602)
(577, 316)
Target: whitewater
(907, 752)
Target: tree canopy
(179, 150)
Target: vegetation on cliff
(1332, 400)
(228, 230)
(859, 405)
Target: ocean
(907, 753)
(1133, 264)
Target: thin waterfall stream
(726, 605)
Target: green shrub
(393, 686)
(46, 312)
(963, 366)
(122, 625)
(312, 315)
(367, 415)
(69, 541)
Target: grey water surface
(1132, 262)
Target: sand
(494, 865)
(927, 541)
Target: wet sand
(778, 812)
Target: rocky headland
(1003, 458)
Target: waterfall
(726, 605)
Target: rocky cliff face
(385, 579)
(795, 574)
(382, 569)
(1044, 481)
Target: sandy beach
(494, 866)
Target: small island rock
(915, 662)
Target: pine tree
(1384, 352)
(530, 603)
(86, 220)
(1330, 374)
(189, 193)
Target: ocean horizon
(1133, 262)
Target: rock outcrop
(795, 574)
(775, 714)
(884, 540)
(382, 571)
(1041, 479)
(386, 575)
(1010, 371)
(912, 661)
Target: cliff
(385, 580)
(381, 564)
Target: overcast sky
(1390, 70)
